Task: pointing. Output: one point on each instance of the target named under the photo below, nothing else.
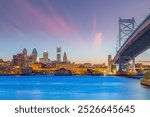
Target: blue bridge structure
(132, 41)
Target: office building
(34, 55)
(58, 56)
(65, 58)
(19, 60)
(24, 52)
(45, 59)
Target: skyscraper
(44, 59)
(34, 55)
(45, 55)
(19, 60)
(58, 56)
(25, 55)
(24, 52)
(65, 57)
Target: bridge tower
(126, 27)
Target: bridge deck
(138, 42)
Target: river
(72, 88)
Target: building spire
(65, 57)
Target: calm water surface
(71, 88)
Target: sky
(87, 30)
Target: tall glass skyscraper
(34, 55)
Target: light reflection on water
(71, 88)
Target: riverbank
(146, 80)
(125, 76)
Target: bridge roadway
(137, 43)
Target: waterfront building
(53, 63)
(146, 67)
(58, 56)
(97, 65)
(66, 66)
(19, 60)
(65, 58)
(139, 66)
(1, 62)
(87, 65)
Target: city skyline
(86, 29)
(60, 56)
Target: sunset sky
(86, 29)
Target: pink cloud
(29, 20)
(39, 19)
(55, 17)
(32, 19)
(97, 36)
(98, 39)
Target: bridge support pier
(133, 64)
(123, 65)
(120, 64)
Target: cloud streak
(96, 35)
(29, 18)
(98, 39)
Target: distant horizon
(139, 61)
